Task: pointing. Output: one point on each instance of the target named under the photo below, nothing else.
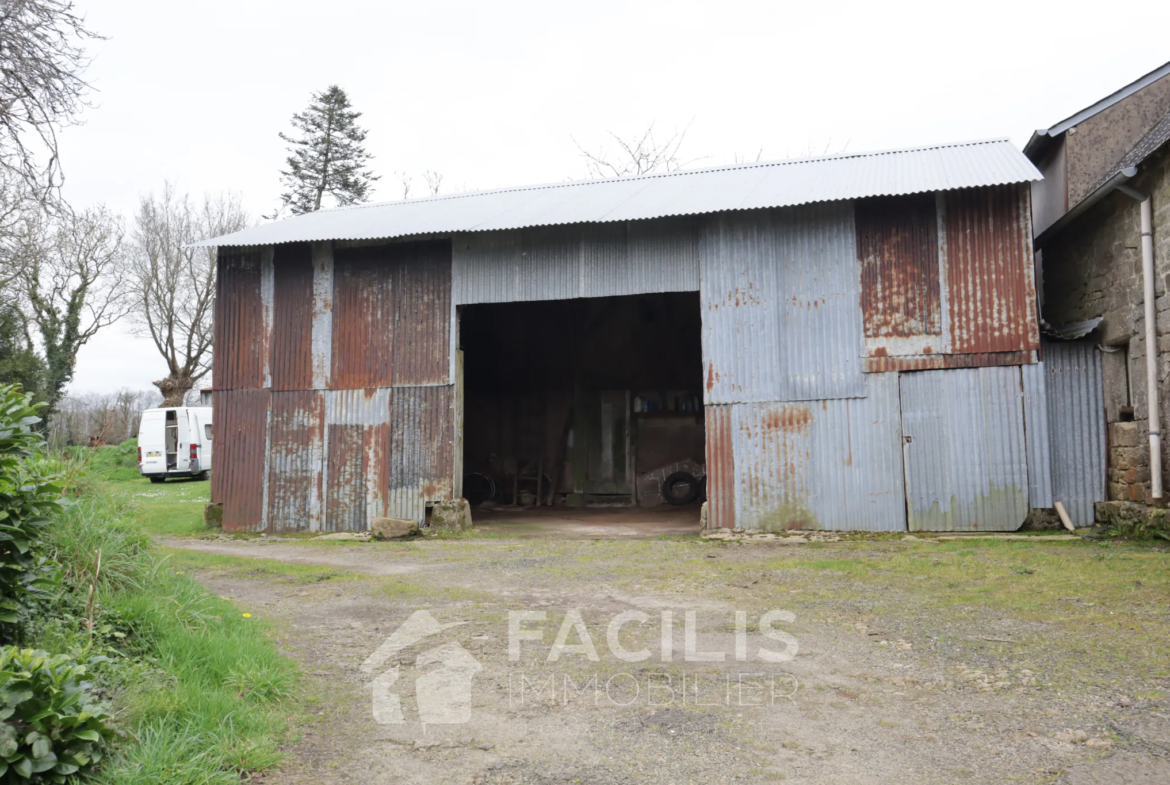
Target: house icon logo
(442, 685)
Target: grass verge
(197, 685)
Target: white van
(175, 443)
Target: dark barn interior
(582, 402)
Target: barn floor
(570, 522)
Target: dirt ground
(915, 661)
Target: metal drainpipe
(1153, 410)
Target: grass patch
(196, 683)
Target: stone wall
(1094, 268)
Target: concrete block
(452, 516)
(392, 528)
(213, 515)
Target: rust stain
(992, 298)
(793, 417)
(240, 342)
(929, 362)
(720, 468)
(897, 247)
(240, 432)
(880, 352)
(292, 324)
(928, 350)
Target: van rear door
(152, 442)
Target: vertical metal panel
(240, 434)
(356, 436)
(549, 264)
(566, 262)
(362, 319)
(901, 298)
(391, 315)
(292, 317)
(421, 302)
(781, 305)
(420, 461)
(992, 293)
(322, 316)
(296, 461)
(830, 464)
(966, 465)
(484, 267)
(266, 303)
(240, 339)
(1076, 416)
(1037, 435)
(720, 468)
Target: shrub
(29, 491)
(51, 725)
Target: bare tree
(434, 181)
(174, 284)
(99, 418)
(41, 89)
(639, 154)
(74, 283)
(406, 181)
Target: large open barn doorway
(584, 403)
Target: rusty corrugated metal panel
(240, 340)
(1037, 435)
(781, 305)
(292, 317)
(420, 462)
(240, 437)
(720, 468)
(991, 289)
(1076, 415)
(421, 302)
(357, 430)
(391, 315)
(933, 362)
(832, 464)
(296, 461)
(362, 319)
(901, 296)
(966, 464)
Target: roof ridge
(675, 173)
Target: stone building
(1098, 166)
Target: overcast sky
(493, 93)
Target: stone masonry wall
(1094, 268)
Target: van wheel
(158, 479)
(203, 476)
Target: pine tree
(328, 158)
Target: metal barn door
(963, 449)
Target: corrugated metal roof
(689, 192)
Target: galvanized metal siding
(292, 317)
(781, 306)
(901, 297)
(421, 301)
(357, 439)
(322, 317)
(296, 461)
(720, 467)
(1076, 417)
(240, 435)
(830, 464)
(992, 293)
(966, 464)
(567, 262)
(241, 343)
(420, 462)
(1037, 435)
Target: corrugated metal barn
(846, 343)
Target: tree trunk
(174, 389)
